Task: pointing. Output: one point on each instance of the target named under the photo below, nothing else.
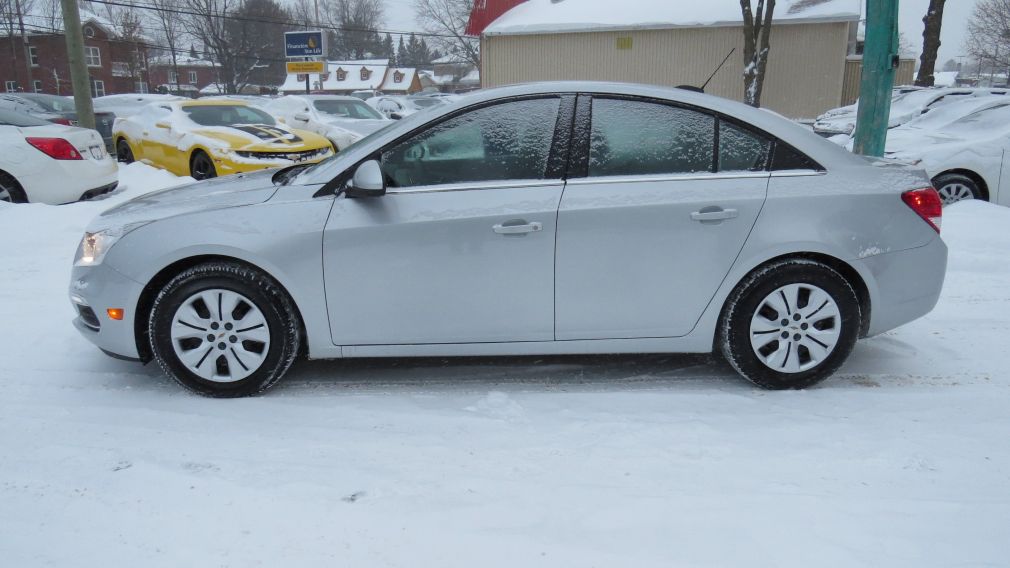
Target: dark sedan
(56, 109)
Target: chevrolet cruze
(538, 219)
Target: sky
(400, 16)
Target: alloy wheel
(795, 328)
(954, 192)
(220, 335)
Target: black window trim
(565, 112)
(578, 165)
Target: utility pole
(29, 84)
(880, 59)
(78, 70)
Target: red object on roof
(486, 11)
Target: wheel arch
(846, 270)
(17, 183)
(970, 174)
(154, 285)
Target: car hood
(363, 127)
(221, 193)
(262, 138)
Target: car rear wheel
(201, 166)
(10, 190)
(124, 153)
(956, 187)
(790, 325)
(223, 329)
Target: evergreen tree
(387, 47)
(192, 52)
(402, 57)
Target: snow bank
(539, 16)
(644, 461)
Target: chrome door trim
(655, 178)
(799, 173)
(483, 185)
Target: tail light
(927, 204)
(63, 121)
(55, 148)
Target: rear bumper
(67, 181)
(908, 284)
(95, 289)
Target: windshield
(347, 109)
(9, 118)
(981, 122)
(51, 103)
(226, 115)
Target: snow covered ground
(901, 460)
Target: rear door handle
(714, 214)
(517, 227)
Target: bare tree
(989, 33)
(446, 20)
(932, 23)
(757, 31)
(356, 23)
(128, 25)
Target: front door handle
(517, 227)
(714, 214)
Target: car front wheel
(223, 329)
(790, 324)
(124, 154)
(956, 187)
(201, 166)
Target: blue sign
(304, 44)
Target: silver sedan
(539, 219)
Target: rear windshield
(347, 109)
(10, 118)
(226, 115)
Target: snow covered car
(127, 105)
(206, 139)
(905, 106)
(343, 120)
(42, 162)
(398, 106)
(56, 109)
(965, 158)
(544, 218)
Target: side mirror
(395, 115)
(368, 181)
(301, 116)
(164, 125)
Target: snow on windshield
(226, 115)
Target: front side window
(741, 150)
(631, 137)
(506, 141)
(92, 56)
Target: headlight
(94, 246)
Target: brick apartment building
(115, 65)
(193, 74)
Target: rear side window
(630, 137)
(788, 158)
(506, 141)
(741, 150)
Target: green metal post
(78, 69)
(880, 59)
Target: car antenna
(712, 76)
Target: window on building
(37, 85)
(11, 86)
(92, 56)
(97, 88)
(192, 77)
(33, 55)
(173, 77)
(507, 141)
(643, 138)
(140, 87)
(365, 73)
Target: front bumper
(228, 165)
(95, 289)
(908, 284)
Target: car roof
(328, 97)
(214, 102)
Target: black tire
(948, 185)
(10, 190)
(268, 296)
(201, 166)
(734, 339)
(124, 153)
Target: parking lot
(539, 461)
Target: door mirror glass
(368, 181)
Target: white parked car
(398, 106)
(964, 158)
(905, 106)
(343, 120)
(130, 104)
(43, 162)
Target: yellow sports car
(206, 139)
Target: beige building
(670, 42)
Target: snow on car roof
(212, 102)
(537, 16)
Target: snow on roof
(182, 60)
(540, 16)
(343, 76)
(406, 76)
(47, 18)
(945, 79)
